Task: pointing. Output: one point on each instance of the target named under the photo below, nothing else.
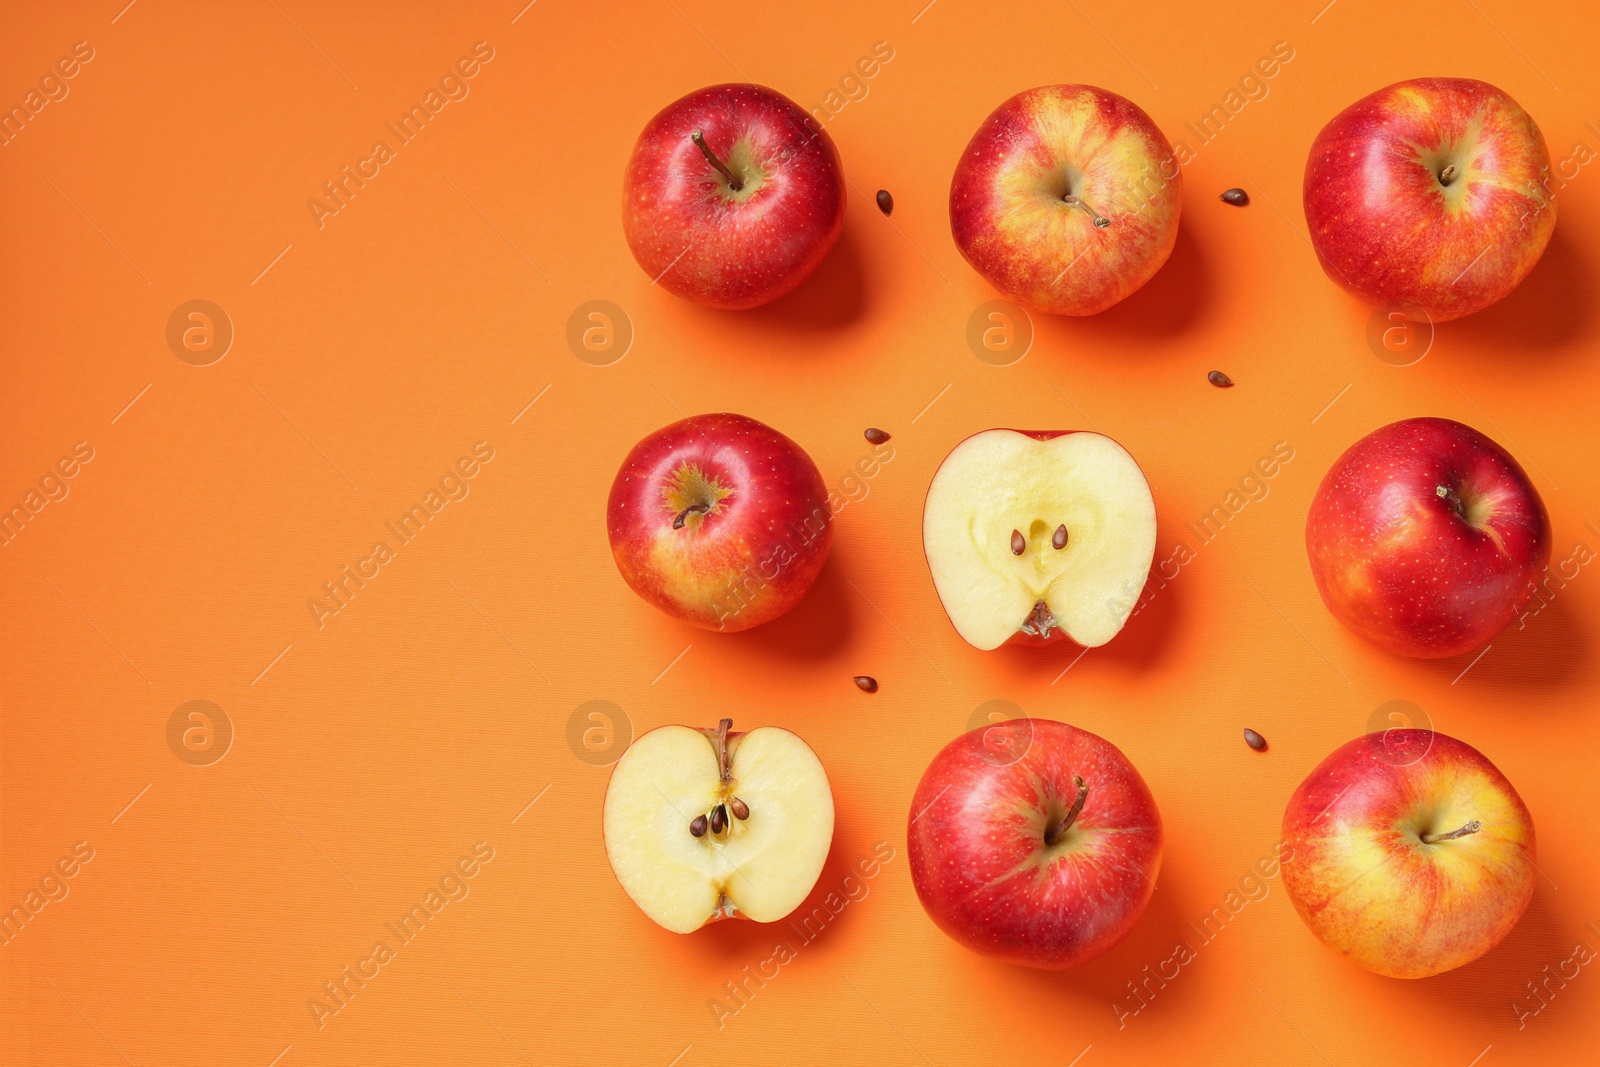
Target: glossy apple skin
(1371, 890)
(752, 555)
(1386, 229)
(1396, 562)
(1008, 215)
(702, 241)
(976, 844)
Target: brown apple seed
(885, 202)
(874, 435)
(1255, 740)
(1058, 540)
(1019, 544)
(740, 809)
(1236, 197)
(1220, 380)
(697, 826)
(866, 683)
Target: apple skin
(1400, 565)
(1009, 218)
(975, 842)
(1367, 885)
(747, 559)
(700, 239)
(1384, 226)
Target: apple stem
(1019, 544)
(1444, 492)
(722, 749)
(1099, 220)
(683, 516)
(1054, 833)
(699, 140)
(1471, 828)
(1447, 175)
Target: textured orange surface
(380, 752)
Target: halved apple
(702, 825)
(1034, 535)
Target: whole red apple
(733, 196)
(1034, 842)
(1427, 538)
(1067, 199)
(720, 521)
(1412, 854)
(1430, 197)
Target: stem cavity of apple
(1019, 544)
(1471, 828)
(1058, 540)
(1099, 220)
(1053, 834)
(733, 181)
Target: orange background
(371, 753)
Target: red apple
(1038, 537)
(720, 521)
(1067, 199)
(1412, 854)
(1427, 538)
(732, 197)
(1034, 842)
(1430, 197)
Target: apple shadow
(1547, 652)
(814, 629)
(1550, 310)
(1103, 983)
(1168, 305)
(1488, 988)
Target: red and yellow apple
(1067, 199)
(733, 196)
(720, 521)
(1427, 538)
(1430, 197)
(1411, 853)
(703, 825)
(1039, 846)
(1035, 536)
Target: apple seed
(1236, 197)
(740, 809)
(1220, 380)
(874, 435)
(1019, 544)
(866, 683)
(1255, 740)
(697, 826)
(719, 819)
(1058, 540)
(885, 202)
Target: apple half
(1035, 535)
(702, 825)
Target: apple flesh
(733, 196)
(720, 521)
(703, 825)
(1430, 197)
(1067, 199)
(1047, 858)
(1412, 854)
(1037, 536)
(1427, 538)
